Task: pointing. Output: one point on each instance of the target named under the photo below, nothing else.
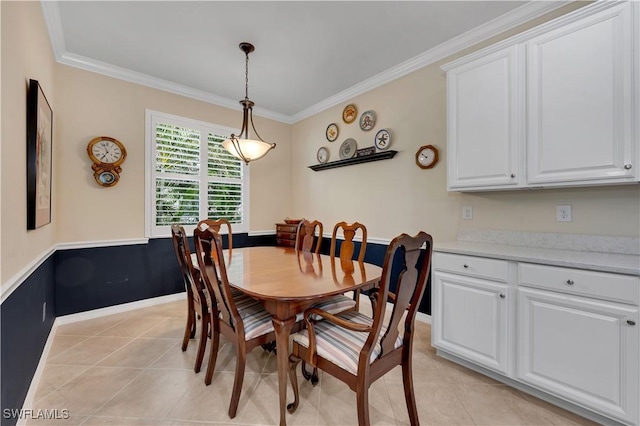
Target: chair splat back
(305, 236)
(410, 284)
(214, 274)
(347, 247)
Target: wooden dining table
(288, 282)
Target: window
(190, 176)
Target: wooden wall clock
(107, 155)
(426, 156)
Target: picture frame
(39, 156)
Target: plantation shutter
(192, 176)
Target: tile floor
(128, 369)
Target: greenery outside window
(190, 176)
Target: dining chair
(216, 224)
(347, 248)
(240, 318)
(196, 301)
(357, 349)
(306, 240)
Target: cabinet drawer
(286, 228)
(601, 285)
(287, 243)
(285, 235)
(497, 270)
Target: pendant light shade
(242, 146)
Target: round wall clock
(107, 154)
(349, 113)
(322, 155)
(427, 156)
(332, 132)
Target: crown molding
(494, 27)
(503, 23)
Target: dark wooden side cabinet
(286, 235)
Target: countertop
(620, 263)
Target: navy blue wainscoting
(92, 278)
(24, 334)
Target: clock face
(106, 150)
(427, 157)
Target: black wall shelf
(384, 155)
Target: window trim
(152, 231)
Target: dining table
(287, 282)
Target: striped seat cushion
(341, 346)
(334, 305)
(257, 321)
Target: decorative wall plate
(322, 155)
(348, 148)
(368, 120)
(332, 132)
(349, 113)
(382, 141)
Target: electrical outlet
(44, 311)
(563, 213)
(467, 212)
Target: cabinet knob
(513, 175)
(570, 281)
(631, 322)
(628, 166)
(502, 296)
(465, 266)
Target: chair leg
(241, 359)
(203, 343)
(293, 364)
(190, 328)
(409, 396)
(362, 398)
(213, 353)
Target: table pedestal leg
(283, 330)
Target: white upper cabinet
(579, 92)
(557, 105)
(483, 126)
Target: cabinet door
(580, 101)
(483, 122)
(470, 319)
(580, 349)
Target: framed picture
(39, 157)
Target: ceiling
(309, 55)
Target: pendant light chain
(246, 76)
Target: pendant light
(242, 146)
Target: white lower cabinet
(580, 349)
(472, 313)
(571, 333)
